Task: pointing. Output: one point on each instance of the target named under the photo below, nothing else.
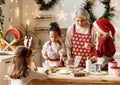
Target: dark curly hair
(54, 26)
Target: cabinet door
(3, 71)
(37, 55)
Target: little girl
(105, 48)
(21, 72)
(53, 50)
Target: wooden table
(57, 79)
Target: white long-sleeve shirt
(46, 45)
(27, 80)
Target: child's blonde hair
(19, 67)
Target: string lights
(14, 13)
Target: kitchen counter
(6, 56)
(58, 79)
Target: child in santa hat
(105, 48)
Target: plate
(63, 72)
(47, 64)
(99, 73)
(71, 66)
(15, 32)
(9, 37)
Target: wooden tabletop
(91, 79)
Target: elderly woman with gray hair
(78, 34)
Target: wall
(28, 9)
(67, 8)
(11, 12)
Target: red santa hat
(104, 26)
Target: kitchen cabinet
(3, 72)
(38, 56)
(5, 59)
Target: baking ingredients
(111, 64)
(88, 65)
(116, 70)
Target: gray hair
(81, 12)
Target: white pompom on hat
(104, 26)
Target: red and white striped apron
(78, 41)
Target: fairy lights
(14, 12)
(11, 1)
(16, 1)
(17, 12)
(26, 6)
(27, 23)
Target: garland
(46, 6)
(108, 8)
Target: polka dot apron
(78, 41)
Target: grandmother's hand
(69, 61)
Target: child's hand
(60, 64)
(93, 59)
(33, 64)
(46, 58)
